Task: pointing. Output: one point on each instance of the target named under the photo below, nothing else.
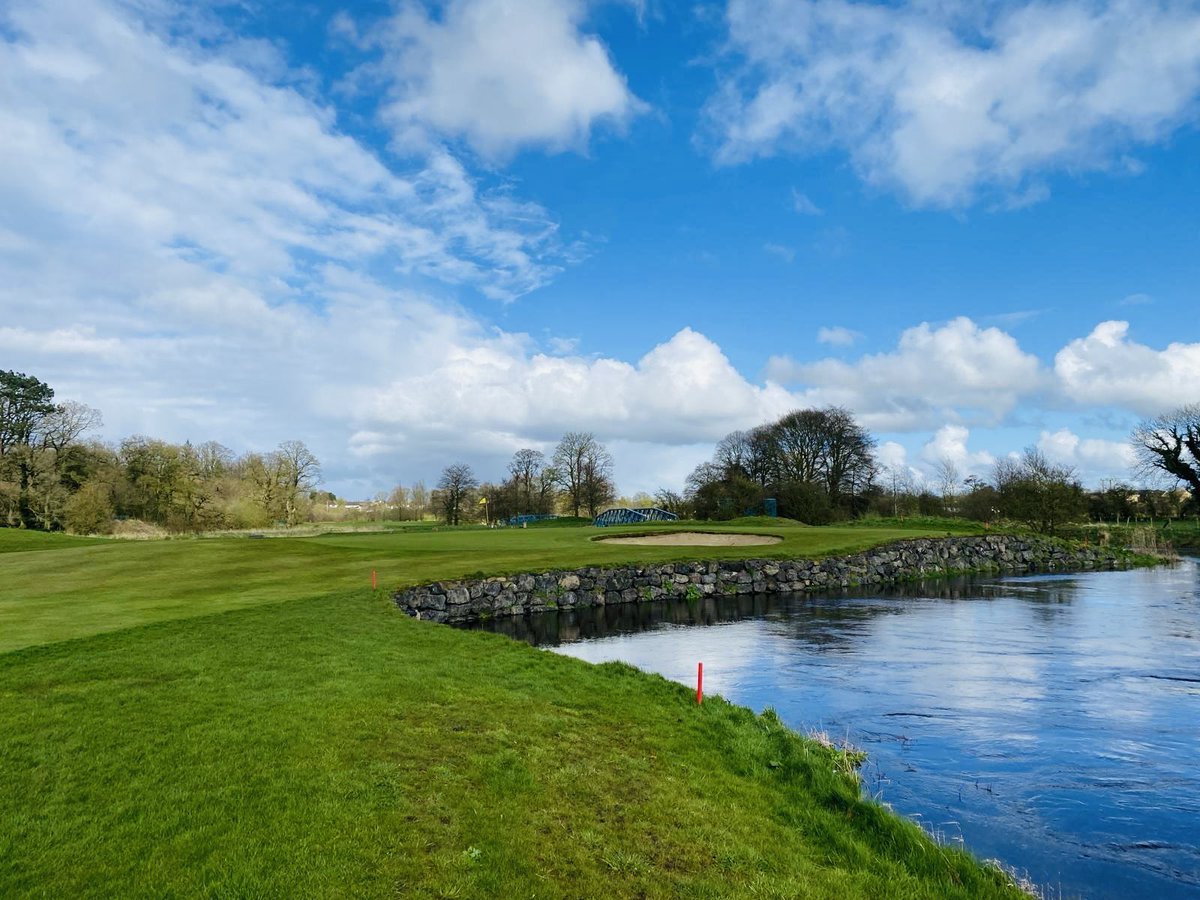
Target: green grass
(247, 719)
(767, 522)
(332, 747)
(93, 585)
(16, 540)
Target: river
(1052, 722)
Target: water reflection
(1052, 721)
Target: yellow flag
(483, 499)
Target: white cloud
(562, 346)
(194, 248)
(892, 456)
(190, 244)
(1095, 459)
(837, 336)
(502, 75)
(950, 443)
(1106, 368)
(71, 342)
(683, 391)
(941, 101)
(953, 372)
(121, 143)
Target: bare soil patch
(695, 539)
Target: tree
(673, 502)
(25, 404)
(418, 498)
(455, 487)
(807, 450)
(945, 471)
(585, 466)
(981, 501)
(1171, 444)
(296, 472)
(66, 423)
(533, 482)
(398, 500)
(1033, 490)
(90, 509)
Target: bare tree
(215, 459)
(585, 466)
(398, 500)
(945, 471)
(296, 471)
(546, 490)
(1170, 443)
(1037, 492)
(66, 424)
(454, 491)
(418, 498)
(532, 481)
(733, 454)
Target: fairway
(234, 717)
(87, 585)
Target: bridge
(623, 515)
(523, 520)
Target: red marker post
(699, 683)
(372, 579)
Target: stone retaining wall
(514, 595)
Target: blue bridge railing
(623, 515)
(529, 517)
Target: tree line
(820, 466)
(52, 478)
(814, 465)
(577, 478)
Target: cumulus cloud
(949, 443)
(942, 101)
(682, 391)
(892, 455)
(501, 75)
(1094, 458)
(952, 372)
(1107, 368)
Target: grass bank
(309, 740)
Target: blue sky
(416, 233)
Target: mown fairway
(279, 730)
(90, 585)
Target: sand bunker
(695, 539)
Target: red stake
(372, 579)
(699, 683)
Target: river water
(1052, 722)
